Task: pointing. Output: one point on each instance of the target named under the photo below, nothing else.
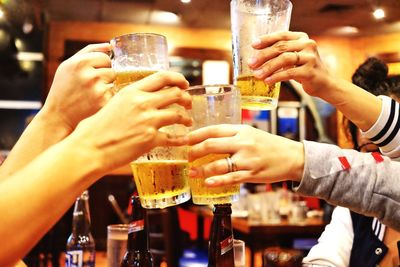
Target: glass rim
(128, 35)
(204, 86)
(118, 227)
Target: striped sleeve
(385, 132)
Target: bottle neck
(138, 233)
(81, 217)
(221, 238)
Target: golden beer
(161, 179)
(256, 94)
(202, 194)
(123, 78)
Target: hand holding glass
(249, 20)
(213, 104)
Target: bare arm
(292, 55)
(79, 90)
(37, 195)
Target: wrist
(52, 121)
(86, 154)
(297, 154)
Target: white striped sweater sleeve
(385, 132)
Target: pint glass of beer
(160, 175)
(213, 104)
(137, 55)
(249, 20)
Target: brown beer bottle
(138, 253)
(220, 252)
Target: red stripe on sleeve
(377, 156)
(345, 163)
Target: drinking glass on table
(117, 239)
(213, 104)
(239, 252)
(249, 20)
(160, 175)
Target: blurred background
(36, 36)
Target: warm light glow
(1, 13)
(19, 44)
(164, 17)
(185, 1)
(343, 30)
(379, 13)
(215, 72)
(27, 27)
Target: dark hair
(371, 75)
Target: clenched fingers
(213, 131)
(166, 117)
(265, 41)
(222, 145)
(101, 47)
(159, 80)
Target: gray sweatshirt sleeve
(363, 182)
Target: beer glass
(137, 55)
(161, 176)
(213, 104)
(249, 20)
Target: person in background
(351, 239)
(322, 170)
(82, 133)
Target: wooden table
(260, 235)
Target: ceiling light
(27, 27)
(379, 13)
(186, 1)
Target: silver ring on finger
(232, 167)
(297, 58)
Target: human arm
(335, 243)
(37, 195)
(368, 187)
(385, 132)
(293, 55)
(79, 89)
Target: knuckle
(281, 47)
(303, 35)
(207, 144)
(177, 92)
(287, 56)
(311, 43)
(291, 72)
(163, 76)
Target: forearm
(367, 185)
(356, 104)
(36, 196)
(44, 131)
(385, 132)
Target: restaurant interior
(37, 35)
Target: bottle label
(226, 245)
(74, 258)
(136, 226)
